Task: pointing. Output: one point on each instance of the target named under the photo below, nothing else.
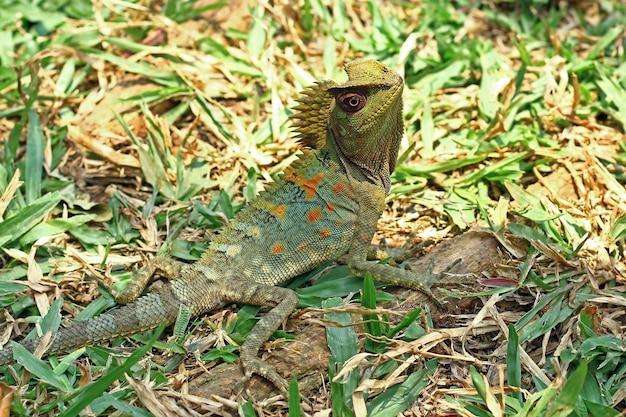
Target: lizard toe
(265, 370)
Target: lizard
(326, 203)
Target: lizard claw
(433, 279)
(408, 253)
(459, 278)
(261, 368)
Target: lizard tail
(146, 313)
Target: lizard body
(326, 203)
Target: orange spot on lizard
(339, 187)
(302, 246)
(280, 210)
(309, 185)
(325, 232)
(278, 248)
(330, 207)
(314, 215)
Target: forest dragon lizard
(326, 204)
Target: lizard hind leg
(166, 267)
(284, 302)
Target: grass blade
(513, 362)
(92, 391)
(21, 221)
(34, 157)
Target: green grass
(515, 115)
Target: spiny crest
(311, 117)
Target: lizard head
(361, 119)
(365, 121)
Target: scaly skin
(326, 204)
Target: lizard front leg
(360, 266)
(284, 302)
(166, 267)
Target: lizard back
(302, 220)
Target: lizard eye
(351, 102)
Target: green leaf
(445, 166)
(109, 400)
(39, 368)
(88, 393)
(535, 406)
(513, 363)
(427, 129)
(372, 323)
(565, 402)
(163, 77)
(51, 321)
(247, 409)
(152, 162)
(329, 57)
(295, 409)
(24, 219)
(257, 34)
(406, 321)
(487, 97)
(586, 324)
(54, 227)
(479, 383)
(341, 21)
(34, 158)
(343, 345)
(599, 410)
(225, 353)
(320, 10)
(618, 228)
(558, 312)
(617, 95)
(246, 320)
(306, 19)
(494, 168)
(7, 45)
(64, 82)
(605, 41)
(398, 398)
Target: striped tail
(146, 313)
